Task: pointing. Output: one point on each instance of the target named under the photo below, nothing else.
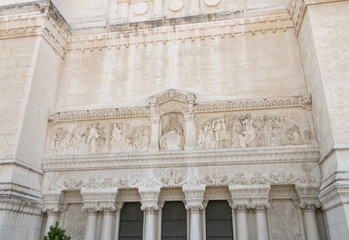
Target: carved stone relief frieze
(251, 130)
(126, 135)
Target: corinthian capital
(149, 198)
(308, 197)
(52, 202)
(99, 199)
(250, 196)
(194, 197)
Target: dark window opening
(131, 222)
(174, 221)
(218, 221)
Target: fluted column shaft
(195, 224)
(117, 220)
(261, 224)
(150, 232)
(242, 225)
(311, 228)
(90, 229)
(107, 225)
(52, 217)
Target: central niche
(172, 134)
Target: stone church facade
(174, 119)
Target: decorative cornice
(21, 164)
(100, 114)
(190, 32)
(254, 104)
(43, 20)
(334, 196)
(297, 9)
(219, 106)
(20, 205)
(217, 157)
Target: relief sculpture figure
(172, 135)
(245, 130)
(92, 139)
(115, 139)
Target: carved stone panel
(246, 129)
(284, 220)
(172, 134)
(119, 135)
(75, 221)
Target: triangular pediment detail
(174, 95)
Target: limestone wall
(238, 67)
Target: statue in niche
(172, 137)
(116, 138)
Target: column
(149, 200)
(157, 9)
(107, 226)
(261, 222)
(117, 220)
(241, 218)
(99, 200)
(160, 205)
(246, 197)
(52, 206)
(90, 229)
(194, 196)
(309, 202)
(311, 228)
(52, 218)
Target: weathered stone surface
(114, 101)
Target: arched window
(174, 221)
(131, 222)
(218, 221)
